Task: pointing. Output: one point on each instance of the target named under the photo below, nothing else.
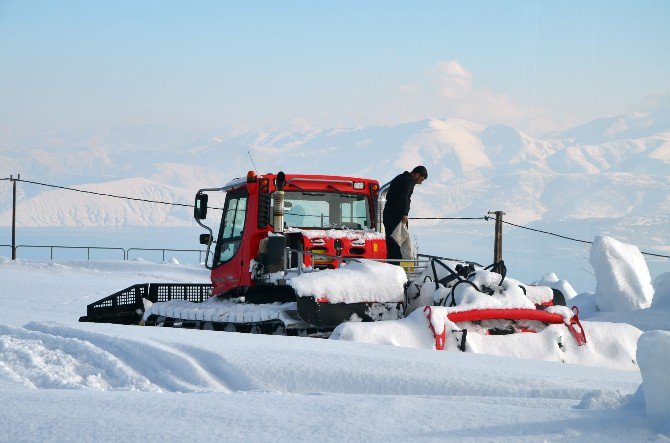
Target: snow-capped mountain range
(612, 168)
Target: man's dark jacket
(398, 199)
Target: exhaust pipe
(278, 210)
(277, 243)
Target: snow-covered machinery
(301, 254)
(275, 228)
(456, 299)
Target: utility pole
(14, 180)
(497, 242)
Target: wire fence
(87, 248)
(198, 251)
(123, 254)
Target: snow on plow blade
(573, 324)
(127, 306)
(361, 290)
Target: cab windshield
(308, 209)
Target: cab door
(226, 273)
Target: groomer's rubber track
(271, 327)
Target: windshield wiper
(295, 186)
(341, 194)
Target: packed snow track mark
(40, 360)
(48, 356)
(111, 357)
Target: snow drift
(61, 380)
(653, 356)
(662, 292)
(623, 282)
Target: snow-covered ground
(61, 380)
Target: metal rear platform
(127, 307)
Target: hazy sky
(537, 65)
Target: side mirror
(200, 207)
(205, 239)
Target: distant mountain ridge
(613, 167)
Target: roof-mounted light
(251, 177)
(359, 185)
(265, 185)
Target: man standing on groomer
(398, 200)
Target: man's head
(420, 173)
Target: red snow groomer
(275, 231)
(273, 226)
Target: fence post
(497, 241)
(14, 180)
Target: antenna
(252, 161)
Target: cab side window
(232, 227)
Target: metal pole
(497, 242)
(14, 214)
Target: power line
(575, 239)
(102, 194)
(547, 232)
(449, 218)
(655, 255)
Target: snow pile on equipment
(610, 345)
(653, 356)
(478, 310)
(551, 280)
(623, 282)
(450, 283)
(359, 234)
(354, 282)
(498, 292)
